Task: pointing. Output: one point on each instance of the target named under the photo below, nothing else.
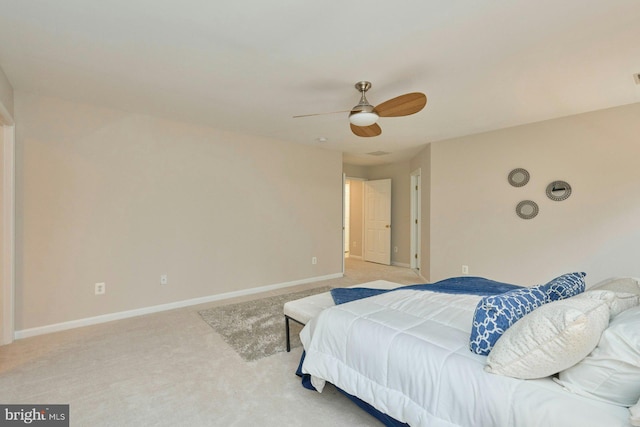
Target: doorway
(353, 217)
(354, 228)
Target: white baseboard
(57, 327)
(400, 264)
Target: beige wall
(109, 196)
(468, 208)
(596, 230)
(354, 171)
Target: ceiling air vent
(378, 153)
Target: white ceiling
(249, 66)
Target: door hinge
(416, 256)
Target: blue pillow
(564, 286)
(495, 314)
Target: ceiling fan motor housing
(363, 86)
(363, 114)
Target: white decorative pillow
(612, 371)
(629, 285)
(617, 301)
(634, 418)
(627, 293)
(549, 339)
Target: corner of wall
(6, 100)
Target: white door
(377, 221)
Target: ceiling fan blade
(402, 105)
(366, 131)
(320, 114)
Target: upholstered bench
(304, 309)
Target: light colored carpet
(169, 369)
(255, 329)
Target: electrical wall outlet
(164, 279)
(465, 269)
(314, 260)
(395, 249)
(101, 288)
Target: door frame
(347, 217)
(344, 180)
(7, 279)
(416, 213)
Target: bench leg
(286, 326)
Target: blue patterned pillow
(495, 314)
(564, 286)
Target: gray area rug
(255, 329)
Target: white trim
(346, 216)
(344, 181)
(26, 333)
(400, 264)
(7, 281)
(416, 213)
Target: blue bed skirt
(380, 416)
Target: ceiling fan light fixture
(363, 118)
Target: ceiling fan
(364, 116)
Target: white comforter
(406, 354)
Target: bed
(406, 353)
